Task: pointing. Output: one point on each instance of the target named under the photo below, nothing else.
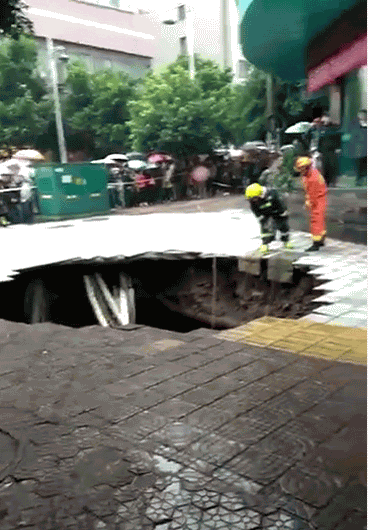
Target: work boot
(4, 221)
(316, 246)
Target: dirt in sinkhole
(240, 297)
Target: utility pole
(225, 32)
(57, 106)
(190, 40)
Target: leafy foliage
(249, 108)
(24, 110)
(173, 112)
(167, 111)
(13, 21)
(249, 111)
(98, 103)
(18, 69)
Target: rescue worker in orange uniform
(315, 200)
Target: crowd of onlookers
(171, 178)
(147, 179)
(139, 179)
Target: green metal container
(71, 190)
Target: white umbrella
(5, 169)
(104, 161)
(29, 154)
(116, 158)
(236, 153)
(137, 164)
(299, 128)
(12, 165)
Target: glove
(307, 204)
(263, 249)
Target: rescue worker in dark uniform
(271, 212)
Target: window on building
(181, 12)
(183, 46)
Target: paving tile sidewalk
(142, 428)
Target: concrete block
(251, 265)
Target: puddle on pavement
(182, 497)
(165, 466)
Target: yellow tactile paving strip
(303, 337)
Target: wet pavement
(346, 215)
(140, 428)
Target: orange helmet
(302, 162)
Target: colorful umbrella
(158, 158)
(144, 181)
(200, 174)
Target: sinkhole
(173, 294)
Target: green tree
(24, 107)
(98, 103)
(173, 112)
(249, 110)
(13, 20)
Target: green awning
(275, 33)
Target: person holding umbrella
(25, 159)
(315, 199)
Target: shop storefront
(324, 43)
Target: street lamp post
(57, 106)
(189, 25)
(190, 40)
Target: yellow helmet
(302, 162)
(253, 190)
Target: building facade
(215, 29)
(322, 42)
(100, 33)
